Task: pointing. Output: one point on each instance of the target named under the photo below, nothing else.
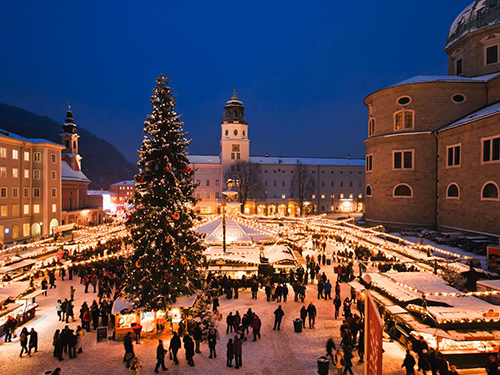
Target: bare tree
(248, 178)
(302, 185)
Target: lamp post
(223, 206)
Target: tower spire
(234, 97)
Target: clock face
(235, 132)
(227, 133)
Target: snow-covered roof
(204, 159)
(8, 134)
(290, 160)
(478, 15)
(99, 192)
(235, 232)
(68, 174)
(455, 79)
(491, 110)
(124, 183)
(274, 254)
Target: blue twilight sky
(302, 68)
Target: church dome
(478, 15)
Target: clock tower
(234, 144)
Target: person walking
(175, 345)
(328, 290)
(255, 289)
(23, 340)
(256, 325)
(229, 322)
(197, 337)
(212, 342)
(311, 313)
(348, 360)
(129, 349)
(238, 351)
(278, 316)
(8, 329)
(52, 279)
(33, 342)
(80, 332)
(303, 316)
(409, 363)
(339, 362)
(230, 353)
(86, 318)
(69, 311)
(160, 357)
(330, 347)
(337, 302)
(45, 286)
(189, 348)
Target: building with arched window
(433, 147)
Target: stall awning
(16, 266)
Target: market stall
(151, 321)
(14, 306)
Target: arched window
(368, 191)
(489, 191)
(74, 144)
(403, 191)
(404, 119)
(371, 126)
(453, 192)
(235, 114)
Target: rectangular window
(26, 192)
(371, 127)
(54, 175)
(313, 196)
(216, 182)
(36, 174)
(3, 192)
(26, 209)
(237, 156)
(453, 156)
(53, 158)
(15, 210)
(15, 173)
(275, 183)
(36, 208)
(283, 196)
(282, 183)
(332, 184)
(491, 55)
(3, 171)
(265, 183)
(26, 156)
(459, 67)
(322, 183)
(369, 163)
(36, 192)
(4, 211)
(37, 156)
(15, 231)
(491, 149)
(207, 195)
(207, 183)
(350, 184)
(217, 195)
(54, 207)
(341, 183)
(15, 192)
(402, 159)
(26, 173)
(232, 155)
(54, 192)
(26, 229)
(3, 152)
(322, 196)
(404, 119)
(15, 154)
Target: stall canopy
(13, 290)
(235, 232)
(121, 304)
(16, 266)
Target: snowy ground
(278, 352)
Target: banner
(374, 328)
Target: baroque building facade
(433, 147)
(338, 182)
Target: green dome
(478, 15)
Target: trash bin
(328, 262)
(323, 365)
(297, 325)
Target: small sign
(102, 334)
(491, 314)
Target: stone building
(433, 147)
(338, 182)
(30, 187)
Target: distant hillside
(102, 163)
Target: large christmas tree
(168, 253)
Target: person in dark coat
(212, 342)
(129, 349)
(72, 341)
(330, 347)
(311, 313)
(23, 340)
(255, 289)
(160, 357)
(278, 316)
(303, 316)
(44, 286)
(424, 362)
(94, 310)
(189, 348)
(229, 322)
(175, 345)
(409, 363)
(491, 366)
(230, 353)
(238, 351)
(197, 337)
(33, 343)
(8, 330)
(442, 365)
(348, 360)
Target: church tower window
(404, 119)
